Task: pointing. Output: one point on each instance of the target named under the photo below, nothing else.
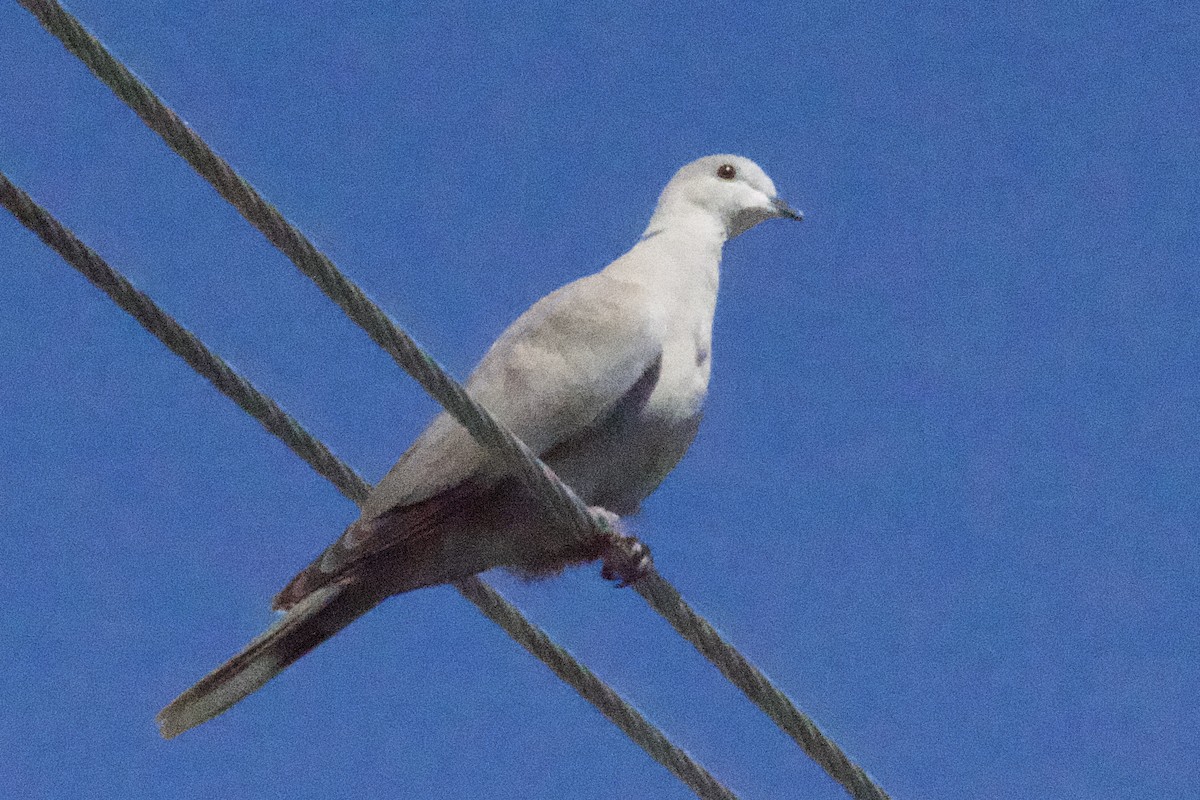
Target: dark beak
(784, 210)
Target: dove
(604, 379)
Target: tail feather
(309, 623)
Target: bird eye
(726, 172)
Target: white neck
(687, 218)
(682, 254)
(679, 259)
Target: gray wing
(559, 368)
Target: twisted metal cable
(238, 389)
(558, 498)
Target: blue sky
(945, 493)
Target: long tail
(310, 622)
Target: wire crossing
(559, 498)
(237, 388)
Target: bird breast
(620, 461)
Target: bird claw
(626, 561)
(624, 558)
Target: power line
(238, 389)
(559, 498)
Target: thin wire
(559, 499)
(238, 389)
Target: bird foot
(625, 559)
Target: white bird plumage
(604, 378)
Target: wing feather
(556, 370)
(570, 362)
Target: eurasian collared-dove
(604, 379)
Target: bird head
(733, 189)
